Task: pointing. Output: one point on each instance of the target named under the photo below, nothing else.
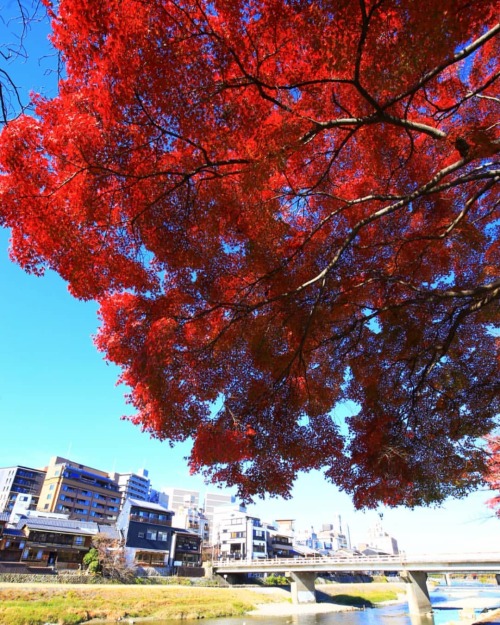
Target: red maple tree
(493, 476)
(281, 206)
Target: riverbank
(37, 604)
(333, 598)
(491, 618)
(72, 604)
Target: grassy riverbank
(360, 595)
(72, 604)
(37, 604)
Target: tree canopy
(493, 475)
(282, 207)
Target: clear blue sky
(59, 397)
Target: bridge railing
(300, 560)
(400, 559)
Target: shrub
(276, 580)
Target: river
(445, 601)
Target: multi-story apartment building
(19, 480)
(333, 536)
(180, 499)
(81, 492)
(214, 502)
(193, 519)
(239, 535)
(380, 540)
(133, 485)
(280, 539)
(189, 513)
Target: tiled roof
(59, 525)
(147, 505)
(110, 531)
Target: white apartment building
(181, 499)
(19, 480)
(333, 536)
(193, 519)
(214, 502)
(380, 540)
(238, 535)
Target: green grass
(23, 605)
(30, 604)
(360, 595)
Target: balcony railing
(139, 519)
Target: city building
(279, 542)
(157, 496)
(133, 485)
(147, 533)
(16, 480)
(189, 511)
(59, 543)
(332, 537)
(286, 525)
(180, 499)
(151, 541)
(81, 492)
(193, 519)
(186, 550)
(380, 541)
(239, 535)
(213, 502)
(307, 539)
(4, 519)
(23, 508)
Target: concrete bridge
(412, 569)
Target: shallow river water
(397, 614)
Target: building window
(237, 534)
(163, 536)
(49, 496)
(150, 559)
(79, 540)
(140, 534)
(39, 554)
(151, 534)
(51, 487)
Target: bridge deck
(442, 563)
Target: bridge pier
(447, 579)
(417, 593)
(302, 586)
(497, 577)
